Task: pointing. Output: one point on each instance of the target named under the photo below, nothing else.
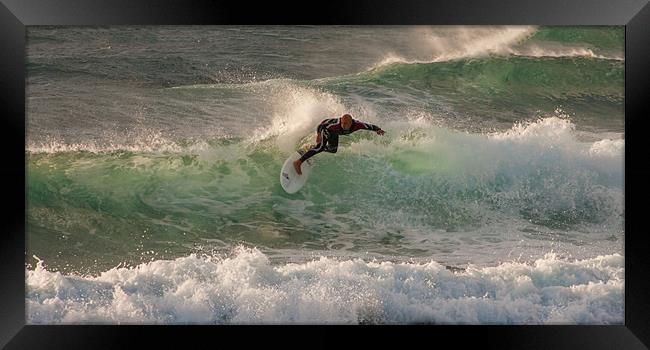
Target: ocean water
(495, 196)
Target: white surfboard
(290, 180)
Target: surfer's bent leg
(332, 143)
(317, 148)
(312, 152)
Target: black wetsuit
(329, 131)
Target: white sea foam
(247, 288)
(557, 50)
(607, 147)
(142, 141)
(550, 141)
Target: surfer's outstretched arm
(358, 125)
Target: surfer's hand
(380, 132)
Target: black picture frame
(15, 15)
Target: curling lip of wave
(501, 42)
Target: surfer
(327, 136)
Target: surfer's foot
(296, 165)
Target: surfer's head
(346, 121)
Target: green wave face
(599, 37)
(183, 131)
(545, 76)
(501, 88)
(422, 180)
